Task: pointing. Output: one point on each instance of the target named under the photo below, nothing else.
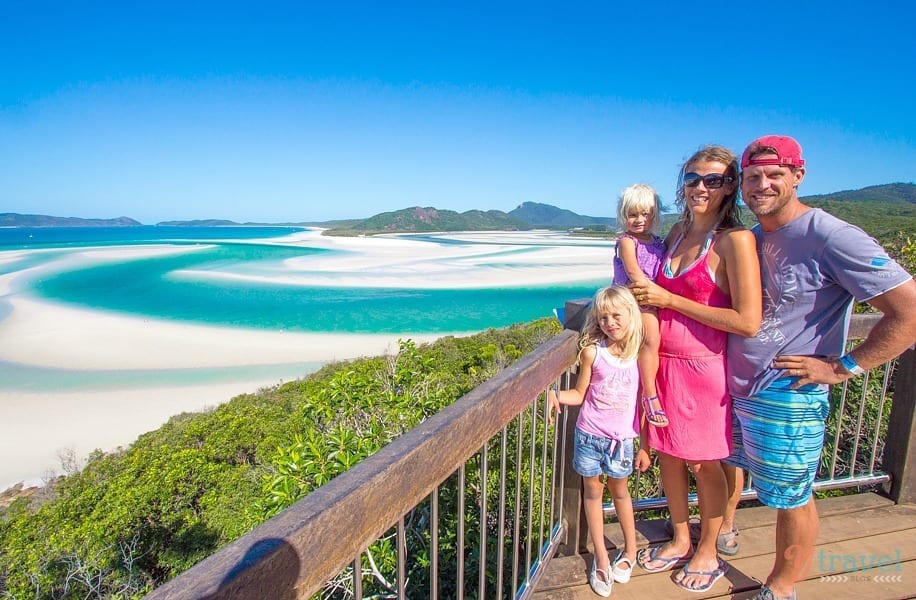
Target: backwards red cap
(788, 152)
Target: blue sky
(275, 112)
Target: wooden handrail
(293, 554)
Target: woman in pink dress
(708, 287)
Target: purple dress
(649, 256)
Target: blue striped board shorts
(777, 436)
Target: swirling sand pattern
(103, 339)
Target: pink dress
(691, 375)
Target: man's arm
(889, 338)
(894, 332)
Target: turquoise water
(12, 238)
(183, 287)
(243, 277)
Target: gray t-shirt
(812, 268)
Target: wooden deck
(866, 549)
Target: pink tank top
(681, 335)
(609, 408)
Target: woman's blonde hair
(620, 297)
(639, 197)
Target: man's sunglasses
(712, 181)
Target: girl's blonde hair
(620, 297)
(639, 197)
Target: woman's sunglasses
(712, 181)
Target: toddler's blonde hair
(639, 197)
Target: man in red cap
(813, 267)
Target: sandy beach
(37, 427)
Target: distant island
(17, 220)
(528, 215)
(879, 209)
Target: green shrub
(134, 518)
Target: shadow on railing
(475, 501)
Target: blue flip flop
(714, 576)
(647, 555)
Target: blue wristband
(850, 364)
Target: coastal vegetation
(886, 212)
(132, 519)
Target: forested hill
(528, 215)
(551, 217)
(884, 211)
(432, 219)
(893, 193)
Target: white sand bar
(46, 334)
(471, 260)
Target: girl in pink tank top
(607, 388)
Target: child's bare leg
(623, 505)
(592, 501)
(734, 478)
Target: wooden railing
(296, 553)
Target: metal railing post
(572, 507)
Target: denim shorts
(594, 455)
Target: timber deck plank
(866, 548)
